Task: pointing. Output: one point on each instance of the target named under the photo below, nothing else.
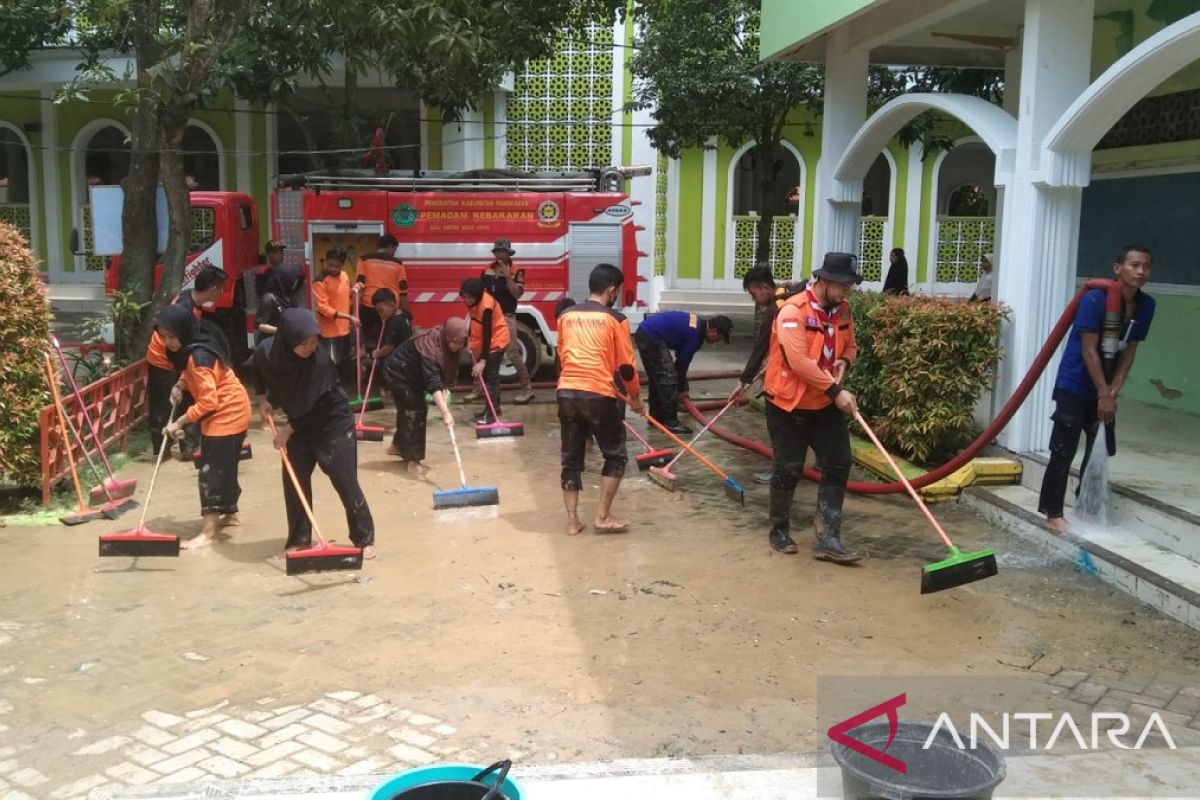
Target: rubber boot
(828, 545)
(780, 509)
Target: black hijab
(283, 283)
(193, 335)
(295, 384)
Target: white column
(1012, 77)
(642, 194)
(50, 194)
(618, 92)
(913, 210)
(1039, 239)
(499, 145)
(844, 113)
(243, 144)
(462, 143)
(708, 218)
(672, 254)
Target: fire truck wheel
(531, 347)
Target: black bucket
(940, 772)
(477, 788)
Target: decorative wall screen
(871, 247)
(560, 113)
(17, 215)
(744, 229)
(660, 215)
(960, 243)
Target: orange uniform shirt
(500, 335)
(220, 403)
(331, 294)
(594, 342)
(794, 379)
(379, 272)
(156, 352)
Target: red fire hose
(1113, 297)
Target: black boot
(828, 545)
(781, 506)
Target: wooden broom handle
(62, 429)
(287, 464)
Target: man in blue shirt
(684, 334)
(1084, 395)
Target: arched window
(781, 172)
(968, 200)
(202, 158)
(105, 158)
(16, 187)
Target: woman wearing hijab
(220, 406)
(278, 295)
(897, 277)
(425, 363)
(302, 381)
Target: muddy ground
(687, 636)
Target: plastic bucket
(448, 782)
(940, 771)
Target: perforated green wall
(745, 245)
(870, 247)
(560, 113)
(660, 215)
(960, 243)
(17, 215)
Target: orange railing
(116, 403)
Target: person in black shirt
(424, 363)
(897, 277)
(507, 285)
(278, 295)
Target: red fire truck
(560, 224)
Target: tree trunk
(173, 120)
(139, 230)
(763, 178)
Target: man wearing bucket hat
(812, 347)
(507, 285)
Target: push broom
(959, 568)
(361, 402)
(466, 496)
(83, 513)
(323, 556)
(139, 541)
(362, 431)
(114, 487)
(496, 429)
(661, 474)
(652, 457)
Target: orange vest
(220, 403)
(499, 326)
(798, 382)
(382, 273)
(593, 344)
(156, 352)
(331, 294)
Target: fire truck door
(359, 239)
(591, 244)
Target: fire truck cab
(561, 225)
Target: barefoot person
(425, 363)
(302, 381)
(594, 346)
(220, 406)
(1084, 396)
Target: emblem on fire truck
(404, 215)
(548, 212)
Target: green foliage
(123, 315)
(24, 333)
(923, 364)
(26, 26)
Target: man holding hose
(812, 347)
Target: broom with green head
(959, 568)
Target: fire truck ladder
(609, 179)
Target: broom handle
(683, 444)
(162, 449)
(62, 431)
(487, 394)
(79, 399)
(637, 435)
(287, 464)
(915, 496)
(707, 425)
(357, 346)
(83, 447)
(362, 413)
(457, 458)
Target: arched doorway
(99, 157)
(749, 198)
(203, 158)
(966, 216)
(875, 226)
(17, 186)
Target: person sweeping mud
(812, 347)
(506, 283)
(683, 334)
(397, 329)
(302, 381)
(489, 338)
(220, 406)
(332, 302)
(206, 290)
(1083, 395)
(380, 270)
(425, 363)
(594, 348)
